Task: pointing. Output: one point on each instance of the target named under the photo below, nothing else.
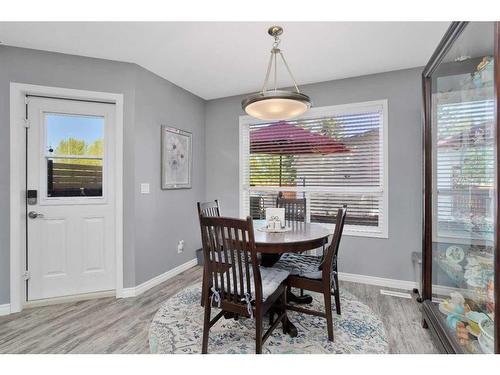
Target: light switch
(144, 188)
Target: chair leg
(258, 332)
(284, 321)
(337, 294)
(203, 288)
(206, 325)
(328, 313)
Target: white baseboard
(378, 281)
(396, 284)
(69, 299)
(5, 309)
(141, 288)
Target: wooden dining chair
(242, 286)
(257, 210)
(295, 209)
(209, 209)
(317, 274)
(295, 212)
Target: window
(74, 155)
(331, 156)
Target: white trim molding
(18, 92)
(5, 309)
(439, 290)
(157, 280)
(378, 281)
(69, 299)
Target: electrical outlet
(144, 188)
(180, 247)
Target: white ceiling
(218, 59)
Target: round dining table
(299, 237)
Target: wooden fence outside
(66, 179)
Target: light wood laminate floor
(110, 325)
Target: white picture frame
(176, 158)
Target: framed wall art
(176, 155)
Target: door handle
(34, 215)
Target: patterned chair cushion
(301, 265)
(271, 280)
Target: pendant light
(276, 104)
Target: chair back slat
(219, 231)
(210, 243)
(333, 249)
(231, 243)
(245, 251)
(241, 261)
(295, 209)
(229, 250)
(229, 257)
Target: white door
(71, 228)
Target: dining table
(296, 237)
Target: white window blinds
(465, 171)
(334, 156)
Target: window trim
(382, 231)
(44, 199)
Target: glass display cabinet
(461, 280)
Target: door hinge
(26, 121)
(27, 275)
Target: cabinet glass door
(464, 188)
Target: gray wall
(388, 258)
(149, 221)
(165, 216)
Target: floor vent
(395, 294)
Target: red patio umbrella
(283, 138)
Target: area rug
(177, 328)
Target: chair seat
(301, 265)
(271, 280)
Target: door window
(74, 152)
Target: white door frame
(18, 92)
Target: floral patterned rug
(178, 326)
